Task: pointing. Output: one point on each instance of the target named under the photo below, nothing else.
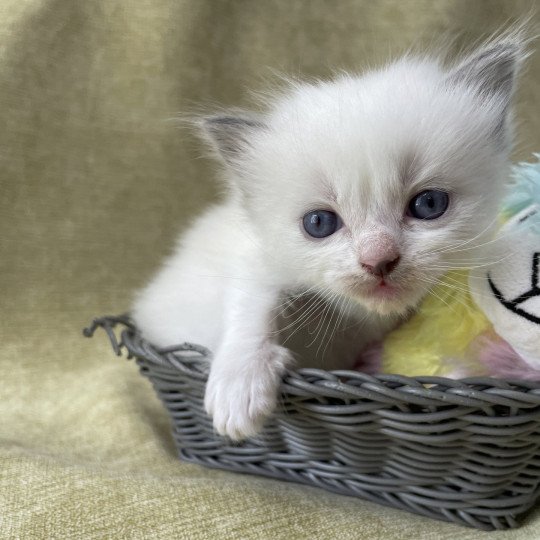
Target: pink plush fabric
(501, 360)
(370, 360)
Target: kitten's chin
(388, 300)
(386, 307)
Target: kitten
(352, 195)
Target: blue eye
(321, 223)
(429, 204)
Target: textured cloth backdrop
(95, 182)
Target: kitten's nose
(380, 268)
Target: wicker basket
(462, 451)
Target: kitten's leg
(245, 374)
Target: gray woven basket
(462, 451)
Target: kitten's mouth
(375, 288)
(383, 289)
(383, 296)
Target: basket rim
(193, 360)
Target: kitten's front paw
(242, 389)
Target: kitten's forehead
(380, 131)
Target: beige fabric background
(95, 182)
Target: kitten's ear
(229, 135)
(492, 70)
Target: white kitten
(358, 192)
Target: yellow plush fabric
(446, 323)
(95, 183)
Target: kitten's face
(374, 187)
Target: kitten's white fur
(361, 146)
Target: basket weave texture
(462, 451)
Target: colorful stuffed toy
(482, 322)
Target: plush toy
(482, 322)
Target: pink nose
(380, 268)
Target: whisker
(507, 234)
(307, 318)
(460, 244)
(313, 304)
(289, 302)
(341, 313)
(456, 285)
(450, 266)
(432, 292)
(331, 314)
